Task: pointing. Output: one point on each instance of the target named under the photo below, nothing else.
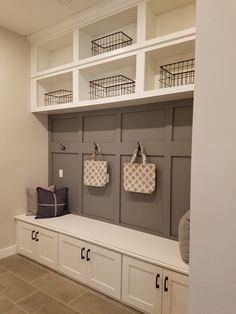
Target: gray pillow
(32, 200)
(184, 236)
(52, 204)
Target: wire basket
(110, 42)
(111, 86)
(61, 96)
(178, 73)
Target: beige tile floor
(27, 287)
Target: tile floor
(27, 287)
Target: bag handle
(135, 154)
(97, 151)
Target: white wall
(213, 189)
(23, 136)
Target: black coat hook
(95, 146)
(139, 147)
(62, 147)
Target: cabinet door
(142, 285)
(175, 293)
(103, 268)
(46, 247)
(25, 239)
(72, 257)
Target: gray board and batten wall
(165, 131)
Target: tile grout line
(87, 289)
(37, 290)
(8, 299)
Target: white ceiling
(28, 16)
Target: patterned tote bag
(95, 171)
(139, 177)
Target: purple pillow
(52, 204)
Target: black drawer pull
(165, 284)
(32, 235)
(36, 236)
(157, 284)
(81, 253)
(87, 255)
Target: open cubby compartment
(109, 34)
(55, 90)
(155, 58)
(118, 69)
(55, 52)
(169, 16)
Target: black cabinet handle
(157, 284)
(81, 253)
(36, 236)
(165, 284)
(87, 255)
(32, 235)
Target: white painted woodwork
(25, 244)
(162, 32)
(70, 262)
(175, 300)
(56, 52)
(124, 66)
(46, 247)
(155, 250)
(158, 55)
(93, 265)
(166, 17)
(104, 270)
(44, 250)
(139, 288)
(126, 260)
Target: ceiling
(29, 16)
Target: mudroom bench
(136, 268)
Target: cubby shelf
(162, 32)
(162, 95)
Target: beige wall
(23, 136)
(213, 186)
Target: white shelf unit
(158, 56)
(53, 83)
(119, 66)
(167, 17)
(55, 52)
(62, 57)
(125, 21)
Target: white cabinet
(37, 243)
(71, 257)
(153, 289)
(93, 265)
(142, 285)
(175, 293)
(150, 288)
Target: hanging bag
(95, 171)
(139, 177)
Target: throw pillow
(32, 200)
(184, 235)
(52, 204)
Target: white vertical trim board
(8, 251)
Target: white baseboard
(8, 251)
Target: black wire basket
(111, 86)
(110, 42)
(60, 96)
(178, 73)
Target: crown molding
(88, 16)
